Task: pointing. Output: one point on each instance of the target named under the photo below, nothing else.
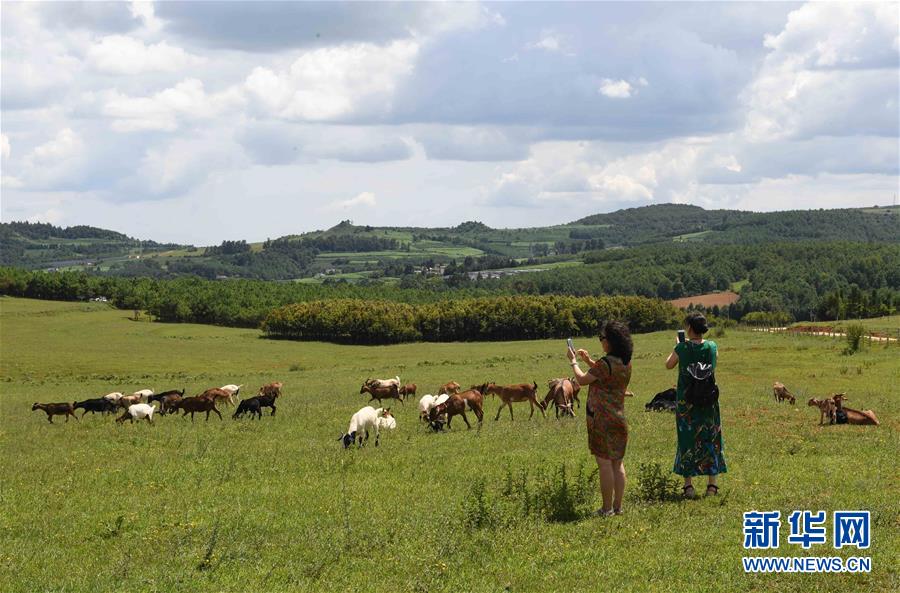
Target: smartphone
(570, 344)
(681, 336)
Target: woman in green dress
(700, 451)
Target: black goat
(664, 401)
(159, 397)
(267, 400)
(97, 404)
(251, 405)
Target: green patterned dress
(701, 451)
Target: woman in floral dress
(700, 450)
(607, 428)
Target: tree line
(475, 319)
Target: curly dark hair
(619, 339)
(697, 322)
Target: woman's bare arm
(672, 361)
(580, 376)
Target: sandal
(617, 511)
(689, 492)
(712, 490)
(602, 513)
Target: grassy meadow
(277, 505)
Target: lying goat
(849, 415)
(664, 401)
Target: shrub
(855, 333)
(656, 485)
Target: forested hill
(684, 222)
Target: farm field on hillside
(277, 505)
(709, 300)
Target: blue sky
(202, 121)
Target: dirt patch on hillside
(708, 300)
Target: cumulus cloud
(5, 148)
(831, 71)
(471, 143)
(615, 89)
(366, 199)
(163, 110)
(121, 54)
(330, 83)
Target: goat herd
(831, 407)
(140, 404)
(436, 410)
(439, 410)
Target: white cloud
(831, 71)
(5, 149)
(548, 42)
(186, 100)
(334, 82)
(64, 146)
(615, 89)
(121, 54)
(145, 12)
(366, 199)
(51, 215)
(183, 164)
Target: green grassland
(277, 505)
(889, 326)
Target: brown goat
(518, 392)
(167, 402)
(782, 393)
(61, 409)
(826, 408)
(449, 388)
(271, 388)
(864, 417)
(381, 392)
(408, 390)
(456, 406)
(218, 395)
(196, 404)
(128, 400)
(562, 394)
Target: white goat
(385, 382)
(366, 419)
(428, 402)
(138, 411)
(144, 394)
(114, 397)
(233, 390)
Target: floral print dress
(700, 451)
(607, 428)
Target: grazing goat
(781, 393)
(366, 419)
(408, 390)
(849, 415)
(448, 388)
(428, 402)
(251, 405)
(384, 382)
(664, 401)
(381, 392)
(826, 408)
(138, 412)
(518, 392)
(234, 390)
(562, 393)
(97, 404)
(456, 405)
(61, 409)
(196, 404)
